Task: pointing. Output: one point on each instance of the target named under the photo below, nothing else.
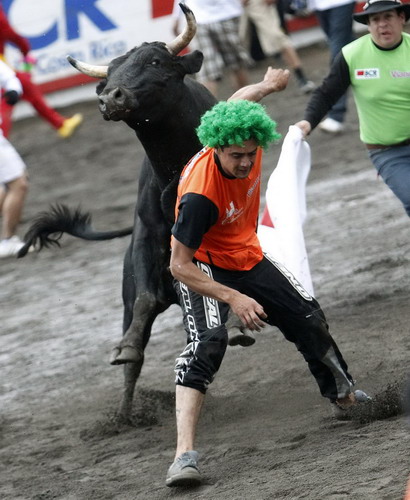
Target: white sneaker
(331, 126)
(10, 247)
(307, 87)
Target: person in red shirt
(65, 126)
(13, 175)
(218, 266)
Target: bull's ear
(101, 86)
(192, 62)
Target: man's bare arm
(183, 269)
(274, 80)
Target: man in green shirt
(377, 67)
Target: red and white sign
(95, 31)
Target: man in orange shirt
(218, 265)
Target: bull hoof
(243, 338)
(125, 354)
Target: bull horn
(88, 69)
(183, 39)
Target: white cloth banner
(286, 206)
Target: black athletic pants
(288, 306)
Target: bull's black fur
(148, 89)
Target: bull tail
(48, 227)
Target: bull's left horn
(88, 69)
(183, 39)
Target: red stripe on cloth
(265, 219)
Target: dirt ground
(265, 433)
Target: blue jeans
(393, 166)
(337, 26)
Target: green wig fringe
(234, 122)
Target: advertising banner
(95, 31)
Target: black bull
(147, 88)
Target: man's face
(386, 28)
(237, 161)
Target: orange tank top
(231, 243)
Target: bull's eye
(155, 62)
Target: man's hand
(183, 269)
(11, 97)
(305, 127)
(276, 79)
(249, 311)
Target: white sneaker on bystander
(10, 246)
(331, 126)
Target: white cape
(286, 205)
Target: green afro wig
(235, 122)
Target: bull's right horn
(88, 69)
(183, 39)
